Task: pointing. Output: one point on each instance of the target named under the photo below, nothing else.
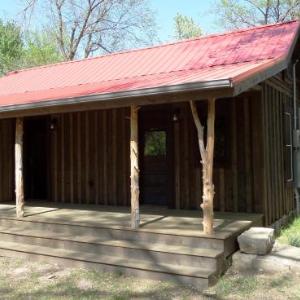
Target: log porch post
(19, 168)
(207, 157)
(134, 167)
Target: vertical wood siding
(6, 160)
(90, 157)
(278, 193)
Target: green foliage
(185, 27)
(291, 234)
(246, 13)
(32, 48)
(155, 143)
(40, 49)
(11, 46)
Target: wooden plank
(114, 161)
(257, 152)
(222, 189)
(134, 168)
(96, 157)
(247, 145)
(104, 156)
(19, 180)
(234, 155)
(87, 157)
(79, 158)
(177, 164)
(62, 136)
(266, 155)
(185, 146)
(71, 121)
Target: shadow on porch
(153, 218)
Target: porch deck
(153, 218)
(169, 244)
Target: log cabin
(152, 161)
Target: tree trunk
(134, 170)
(207, 156)
(19, 168)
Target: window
(155, 143)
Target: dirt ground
(21, 279)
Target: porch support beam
(19, 181)
(207, 156)
(134, 167)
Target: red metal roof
(231, 57)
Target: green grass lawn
(21, 279)
(291, 234)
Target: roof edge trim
(185, 87)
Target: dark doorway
(155, 156)
(35, 158)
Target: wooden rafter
(207, 157)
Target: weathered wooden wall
(90, 158)
(6, 160)
(237, 175)
(278, 192)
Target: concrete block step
(105, 233)
(198, 277)
(175, 254)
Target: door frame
(168, 127)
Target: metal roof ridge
(153, 47)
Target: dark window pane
(155, 143)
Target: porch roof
(236, 60)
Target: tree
(85, 27)
(185, 27)
(248, 13)
(11, 46)
(40, 48)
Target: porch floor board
(153, 219)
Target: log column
(19, 168)
(207, 157)
(134, 168)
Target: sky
(165, 11)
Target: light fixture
(53, 124)
(176, 115)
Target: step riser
(199, 283)
(114, 234)
(142, 254)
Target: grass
(21, 279)
(291, 234)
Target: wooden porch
(169, 245)
(153, 218)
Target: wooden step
(175, 254)
(198, 277)
(103, 233)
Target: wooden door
(155, 157)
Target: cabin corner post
(134, 167)
(19, 184)
(207, 158)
